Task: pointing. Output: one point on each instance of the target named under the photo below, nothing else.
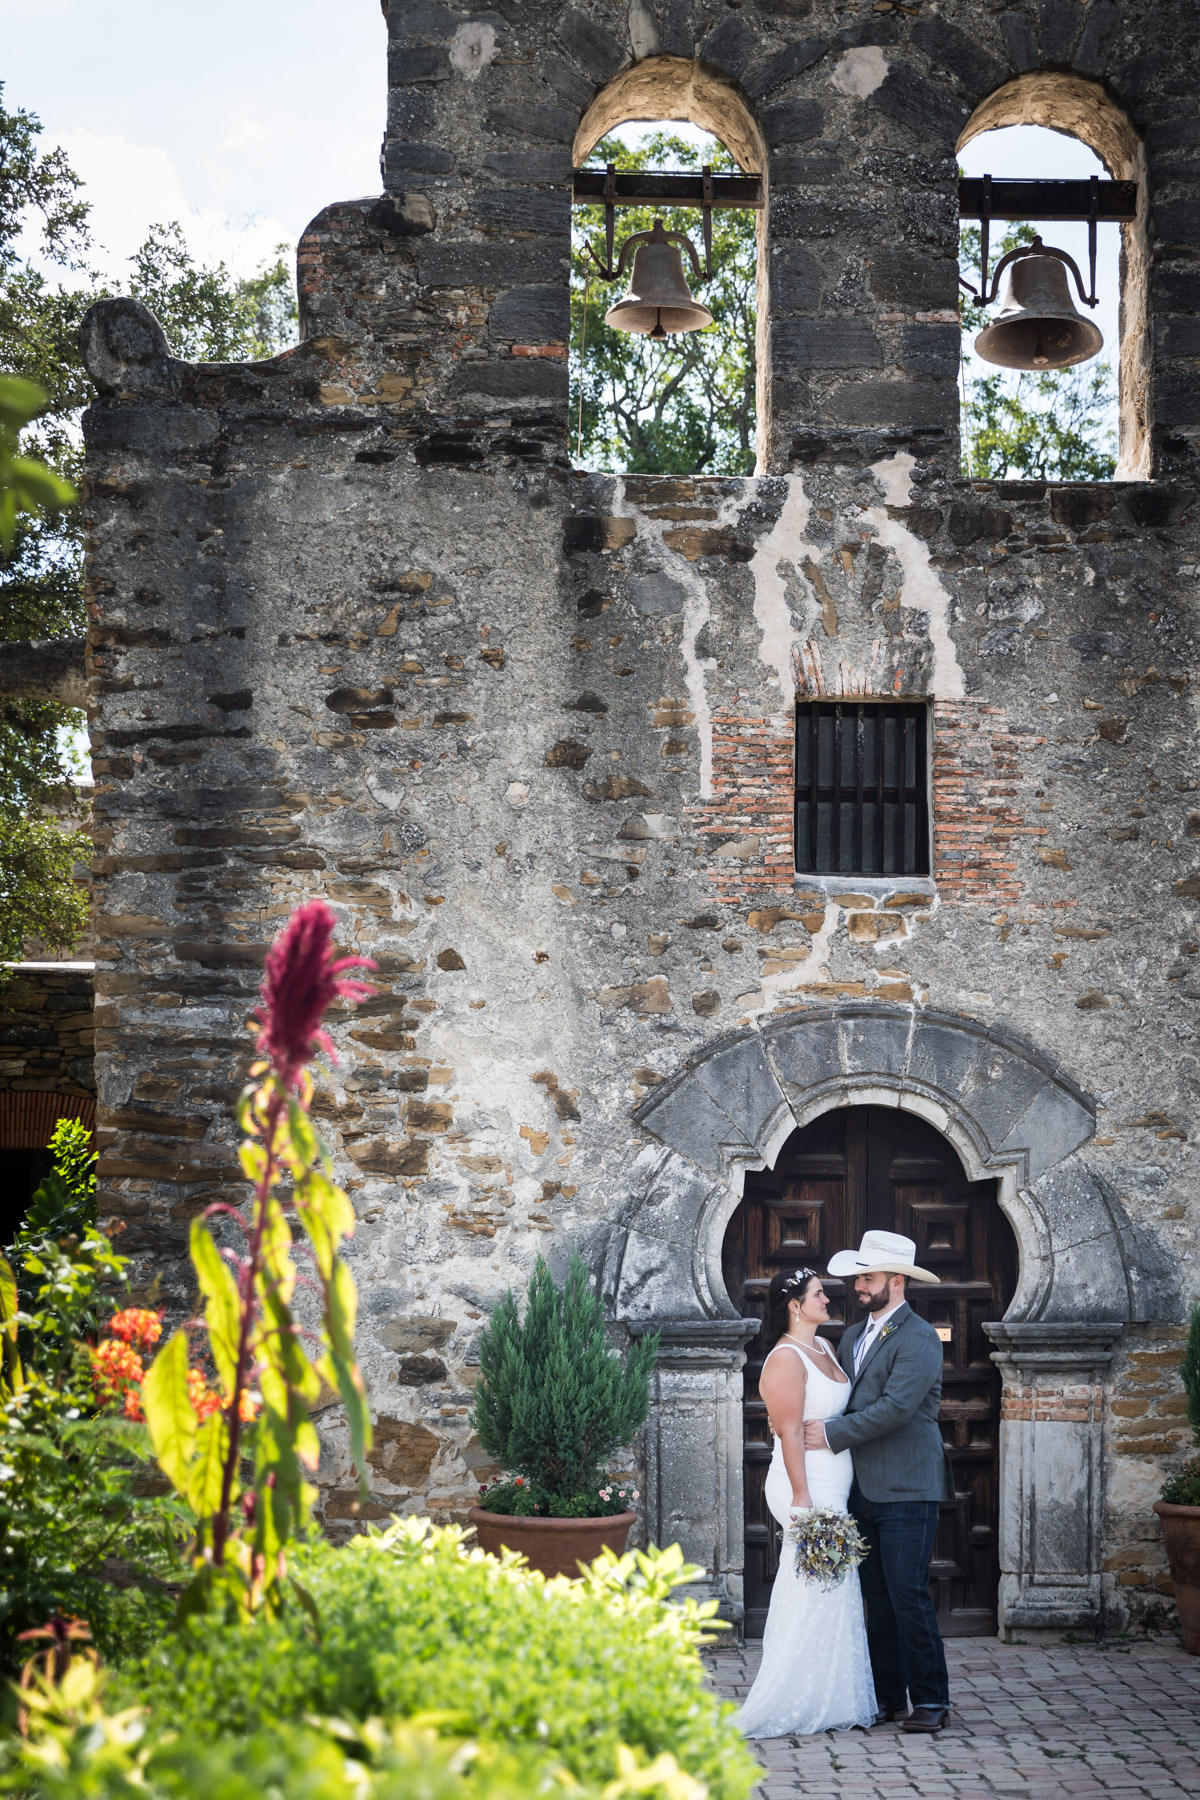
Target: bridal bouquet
(827, 1545)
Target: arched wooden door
(877, 1168)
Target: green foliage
(82, 1532)
(1049, 424)
(76, 1750)
(686, 405)
(519, 1499)
(554, 1401)
(210, 315)
(1184, 1489)
(26, 485)
(412, 1624)
(66, 1200)
(75, 1510)
(39, 896)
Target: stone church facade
(359, 630)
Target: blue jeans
(902, 1628)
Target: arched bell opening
(1083, 110)
(657, 92)
(851, 1170)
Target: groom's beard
(874, 1303)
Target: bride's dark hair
(789, 1284)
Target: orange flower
(248, 1405)
(116, 1369)
(202, 1397)
(133, 1405)
(136, 1325)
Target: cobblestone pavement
(1026, 1721)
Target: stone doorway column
(1052, 1473)
(693, 1448)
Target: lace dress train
(815, 1673)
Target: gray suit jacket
(890, 1421)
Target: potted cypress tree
(1179, 1508)
(554, 1401)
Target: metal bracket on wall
(651, 187)
(984, 198)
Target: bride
(815, 1673)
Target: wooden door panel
(876, 1167)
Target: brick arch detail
(1011, 1113)
(27, 1120)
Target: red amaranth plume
(301, 979)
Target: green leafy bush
(77, 1750)
(519, 1499)
(554, 1400)
(1183, 1489)
(82, 1533)
(412, 1623)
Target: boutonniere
(886, 1332)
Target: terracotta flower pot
(554, 1546)
(1181, 1533)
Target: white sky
(239, 120)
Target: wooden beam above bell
(1056, 200)
(650, 187)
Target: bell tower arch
(1084, 109)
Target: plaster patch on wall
(472, 48)
(859, 72)
(785, 542)
(697, 611)
(922, 589)
(644, 38)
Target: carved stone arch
(1011, 1113)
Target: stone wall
(46, 1030)
(358, 630)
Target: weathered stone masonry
(358, 630)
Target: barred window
(862, 806)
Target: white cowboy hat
(881, 1253)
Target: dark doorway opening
(21, 1173)
(878, 1168)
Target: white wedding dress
(815, 1673)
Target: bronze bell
(659, 301)
(1037, 326)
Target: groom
(894, 1361)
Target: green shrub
(1184, 1489)
(78, 1750)
(519, 1499)
(554, 1400)
(411, 1625)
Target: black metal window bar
(862, 805)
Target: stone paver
(1027, 1722)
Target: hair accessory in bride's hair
(799, 1278)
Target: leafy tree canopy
(1046, 424)
(686, 405)
(47, 284)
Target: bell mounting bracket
(611, 200)
(1093, 200)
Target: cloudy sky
(239, 118)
